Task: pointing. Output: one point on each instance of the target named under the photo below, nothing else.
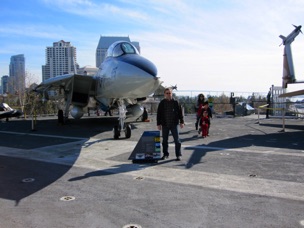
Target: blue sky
(220, 45)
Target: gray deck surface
(244, 174)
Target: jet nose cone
(142, 63)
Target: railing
(273, 109)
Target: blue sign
(148, 147)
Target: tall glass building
(16, 80)
(4, 84)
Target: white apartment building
(60, 59)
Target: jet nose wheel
(128, 131)
(116, 132)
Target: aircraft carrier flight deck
(247, 173)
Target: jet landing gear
(122, 126)
(126, 129)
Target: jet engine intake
(134, 111)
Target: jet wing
(9, 114)
(55, 83)
(292, 94)
(80, 87)
(6, 114)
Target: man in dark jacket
(169, 116)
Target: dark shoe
(165, 157)
(178, 159)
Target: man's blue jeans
(175, 134)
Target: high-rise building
(105, 42)
(60, 59)
(16, 82)
(4, 84)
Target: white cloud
(32, 30)
(228, 45)
(95, 9)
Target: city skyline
(217, 46)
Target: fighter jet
(159, 93)
(7, 112)
(288, 69)
(122, 81)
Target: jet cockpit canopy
(5, 107)
(120, 48)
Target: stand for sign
(148, 149)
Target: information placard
(148, 147)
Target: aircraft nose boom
(141, 62)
